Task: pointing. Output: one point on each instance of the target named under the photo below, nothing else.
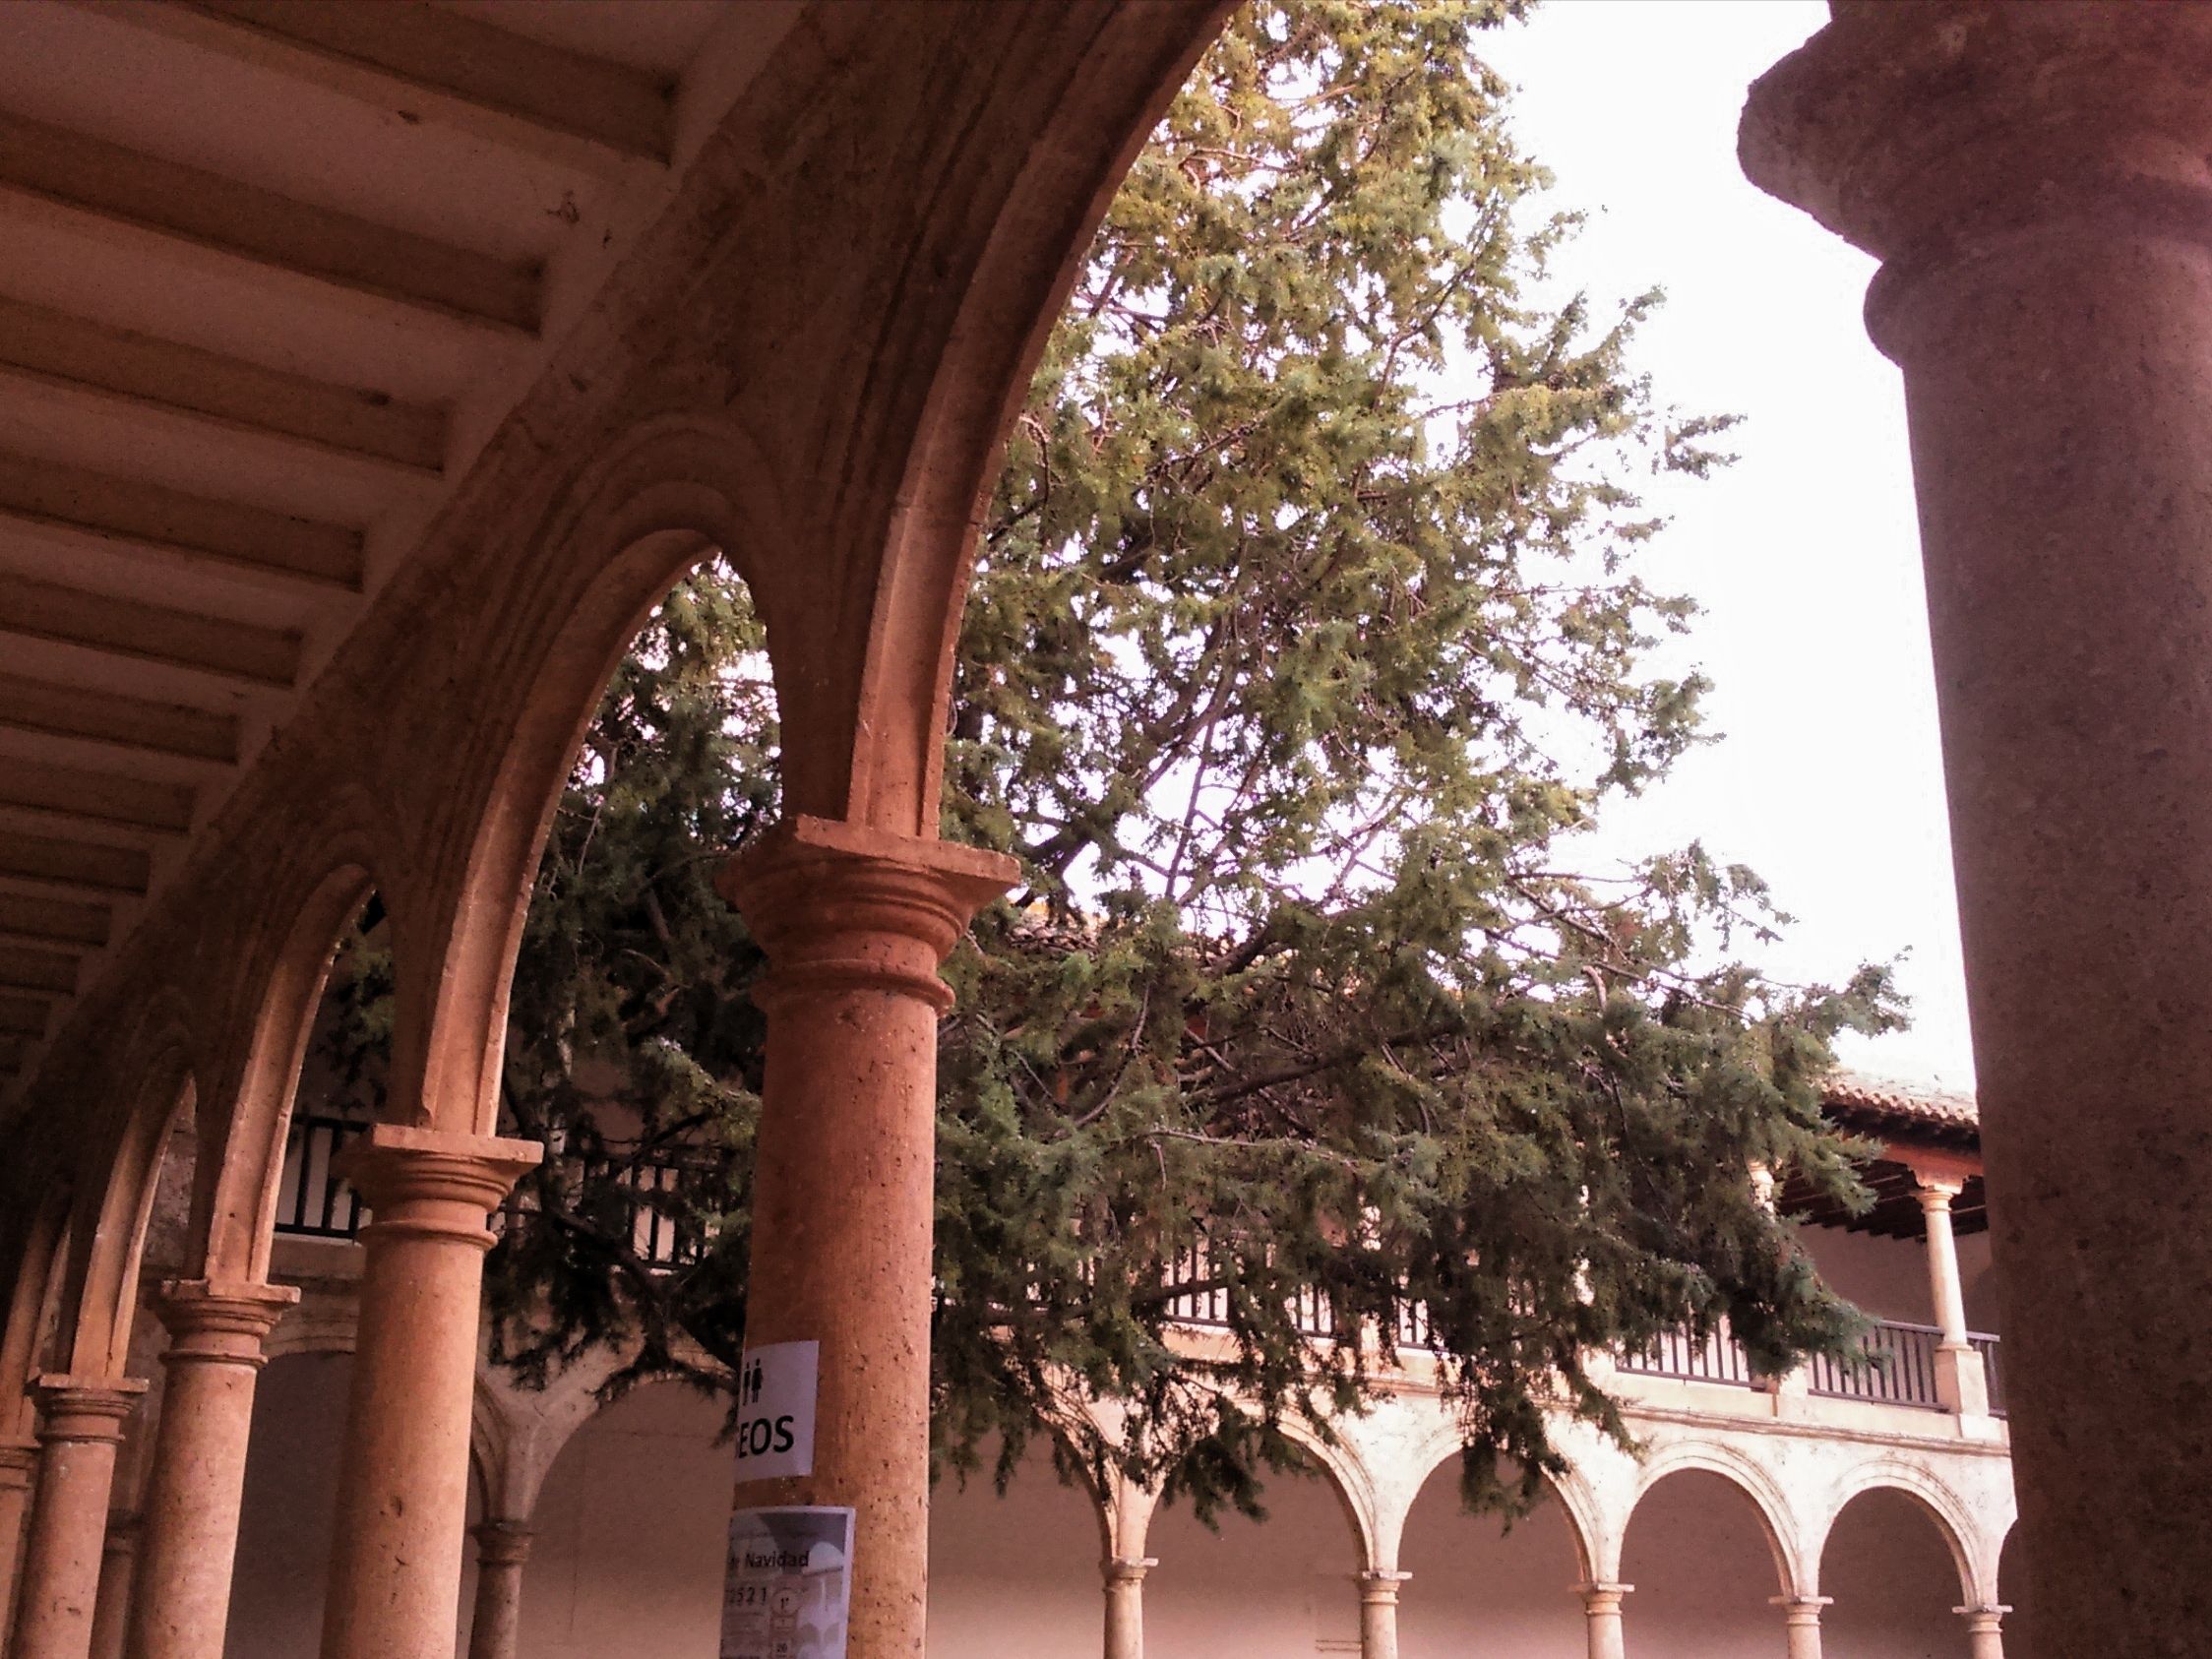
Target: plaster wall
(1885, 1277)
(632, 1515)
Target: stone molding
(426, 1183)
(503, 1543)
(218, 1324)
(85, 1409)
(846, 906)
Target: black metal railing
(312, 1201)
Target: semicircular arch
(1942, 1507)
(1776, 1518)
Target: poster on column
(788, 1590)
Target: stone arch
(1352, 1484)
(1942, 1507)
(1569, 1487)
(39, 1251)
(155, 1082)
(249, 1114)
(625, 533)
(1768, 1503)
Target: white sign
(788, 1592)
(775, 1387)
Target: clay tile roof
(1871, 1102)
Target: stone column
(854, 922)
(1800, 1623)
(1125, 1605)
(118, 1585)
(402, 1485)
(503, 1548)
(199, 1472)
(1601, 1607)
(18, 1462)
(1959, 1381)
(2037, 181)
(1378, 1613)
(1985, 1631)
(80, 1424)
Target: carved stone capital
(1126, 1569)
(85, 1408)
(1376, 1588)
(1800, 1610)
(842, 905)
(1601, 1599)
(1945, 131)
(426, 1183)
(212, 1321)
(17, 1458)
(501, 1543)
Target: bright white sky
(1804, 554)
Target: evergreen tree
(1307, 631)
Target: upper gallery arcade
(366, 371)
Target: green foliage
(1307, 631)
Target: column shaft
(1378, 1613)
(1985, 1631)
(1959, 1378)
(2047, 291)
(118, 1585)
(199, 1474)
(1125, 1606)
(80, 1424)
(855, 922)
(403, 1489)
(503, 1549)
(1601, 1610)
(19, 1461)
(1800, 1617)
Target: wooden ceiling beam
(23, 1016)
(173, 524)
(83, 864)
(97, 797)
(26, 968)
(428, 63)
(55, 347)
(101, 622)
(121, 186)
(109, 717)
(52, 921)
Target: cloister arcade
(366, 372)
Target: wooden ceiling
(270, 273)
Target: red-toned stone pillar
(119, 1586)
(199, 1472)
(2037, 181)
(19, 1462)
(855, 922)
(403, 1489)
(80, 1422)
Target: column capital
(85, 1408)
(433, 1183)
(1378, 1585)
(1936, 1192)
(1986, 1620)
(503, 1543)
(19, 1456)
(1126, 1569)
(1800, 1610)
(219, 1322)
(846, 906)
(1942, 132)
(1952, 119)
(1602, 1595)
